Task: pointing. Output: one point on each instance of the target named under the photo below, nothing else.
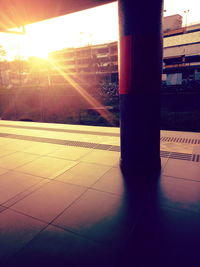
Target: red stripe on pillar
(125, 66)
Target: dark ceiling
(20, 12)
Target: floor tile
(64, 249)
(17, 145)
(182, 169)
(13, 183)
(2, 208)
(49, 200)
(164, 237)
(191, 135)
(2, 171)
(4, 140)
(16, 159)
(4, 152)
(16, 231)
(158, 218)
(111, 140)
(70, 152)
(179, 193)
(177, 147)
(163, 163)
(108, 158)
(112, 182)
(196, 149)
(42, 148)
(47, 167)
(25, 193)
(80, 137)
(101, 216)
(171, 133)
(84, 174)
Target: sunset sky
(92, 26)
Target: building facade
(94, 63)
(181, 62)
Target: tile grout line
(51, 224)
(182, 178)
(43, 229)
(179, 209)
(91, 186)
(13, 169)
(24, 191)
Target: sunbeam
(90, 99)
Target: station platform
(65, 202)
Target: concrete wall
(180, 39)
(172, 22)
(192, 49)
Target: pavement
(65, 202)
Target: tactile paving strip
(164, 154)
(180, 140)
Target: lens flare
(90, 99)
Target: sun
(72, 30)
(34, 51)
(35, 44)
(57, 33)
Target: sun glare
(72, 30)
(92, 26)
(34, 44)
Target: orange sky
(92, 26)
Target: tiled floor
(71, 206)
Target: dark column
(140, 47)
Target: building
(181, 61)
(173, 22)
(96, 62)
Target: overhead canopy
(15, 13)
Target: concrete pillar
(140, 47)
